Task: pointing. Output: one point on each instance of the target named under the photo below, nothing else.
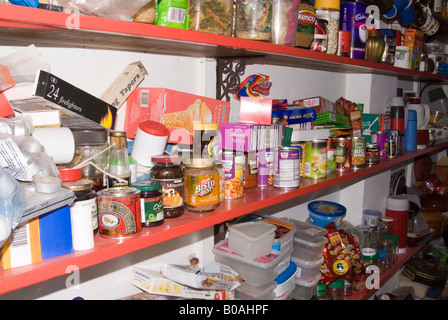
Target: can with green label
(316, 159)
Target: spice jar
(374, 46)
(151, 202)
(329, 11)
(321, 293)
(201, 189)
(336, 289)
(206, 140)
(212, 16)
(320, 36)
(253, 19)
(88, 143)
(168, 171)
(305, 24)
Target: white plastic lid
(397, 203)
(253, 231)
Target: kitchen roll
(59, 143)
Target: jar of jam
(151, 202)
(206, 140)
(201, 189)
(168, 171)
(85, 199)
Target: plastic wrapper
(113, 9)
(214, 276)
(341, 255)
(17, 126)
(254, 86)
(12, 204)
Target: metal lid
(89, 135)
(78, 185)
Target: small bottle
(118, 165)
(410, 134)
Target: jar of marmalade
(151, 202)
(168, 171)
(201, 189)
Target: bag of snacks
(341, 255)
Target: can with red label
(119, 214)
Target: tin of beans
(358, 153)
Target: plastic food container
(251, 239)
(285, 280)
(309, 240)
(322, 213)
(307, 269)
(213, 16)
(257, 272)
(284, 233)
(305, 289)
(247, 291)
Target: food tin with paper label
(287, 167)
(316, 159)
(119, 214)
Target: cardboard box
(320, 104)
(255, 110)
(176, 110)
(414, 39)
(294, 115)
(370, 123)
(153, 282)
(239, 136)
(122, 87)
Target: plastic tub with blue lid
(323, 212)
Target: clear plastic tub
(251, 239)
(247, 291)
(305, 290)
(284, 233)
(259, 271)
(307, 269)
(309, 240)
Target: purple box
(239, 136)
(353, 18)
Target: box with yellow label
(153, 282)
(414, 39)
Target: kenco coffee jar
(305, 25)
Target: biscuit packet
(213, 276)
(341, 255)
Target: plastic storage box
(284, 232)
(309, 240)
(247, 291)
(285, 280)
(323, 212)
(251, 239)
(307, 269)
(259, 271)
(305, 289)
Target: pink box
(176, 110)
(319, 104)
(255, 110)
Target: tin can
(391, 148)
(331, 159)
(233, 166)
(287, 167)
(301, 144)
(358, 153)
(316, 159)
(265, 167)
(119, 214)
(380, 138)
(399, 142)
(343, 147)
(372, 154)
(344, 40)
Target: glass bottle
(329, 10)
(118, 167)
(374, 46)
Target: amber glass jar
(168, 171)
(250, 173)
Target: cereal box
(414, 39)
(176, 110)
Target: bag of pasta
(341, 255)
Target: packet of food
(341, 255)
(213, 276)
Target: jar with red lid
(168, 171)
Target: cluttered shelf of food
(253, 199)
(21, 25)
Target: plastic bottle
(410, 134)
(396, 110)
(397, 207)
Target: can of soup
(287, 167)
(316, 159)
(119, 214)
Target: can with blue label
(353, 18)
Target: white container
(307, 269)
(251, 239)
(285, 280)
(305, 290)
(247, 291)
(309, 240)
(258, 272)
(150, 140)
(284, 233)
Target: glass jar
(321, 293)
(382, 261)
(320, 36)
(85, 199)
(336, 289)
(374, 46)
(253, 19)
(88, 143)
(284, 21)
(201, 188)
(329, 10)
(218, 165)
(206, 140)
(211, 16)
(387, 246)
(305, 25)
(250, 173)
(151, 202)
(390, 40)
(168, 171)
(385, 226)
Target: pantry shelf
(25, 26)
(253, 199)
